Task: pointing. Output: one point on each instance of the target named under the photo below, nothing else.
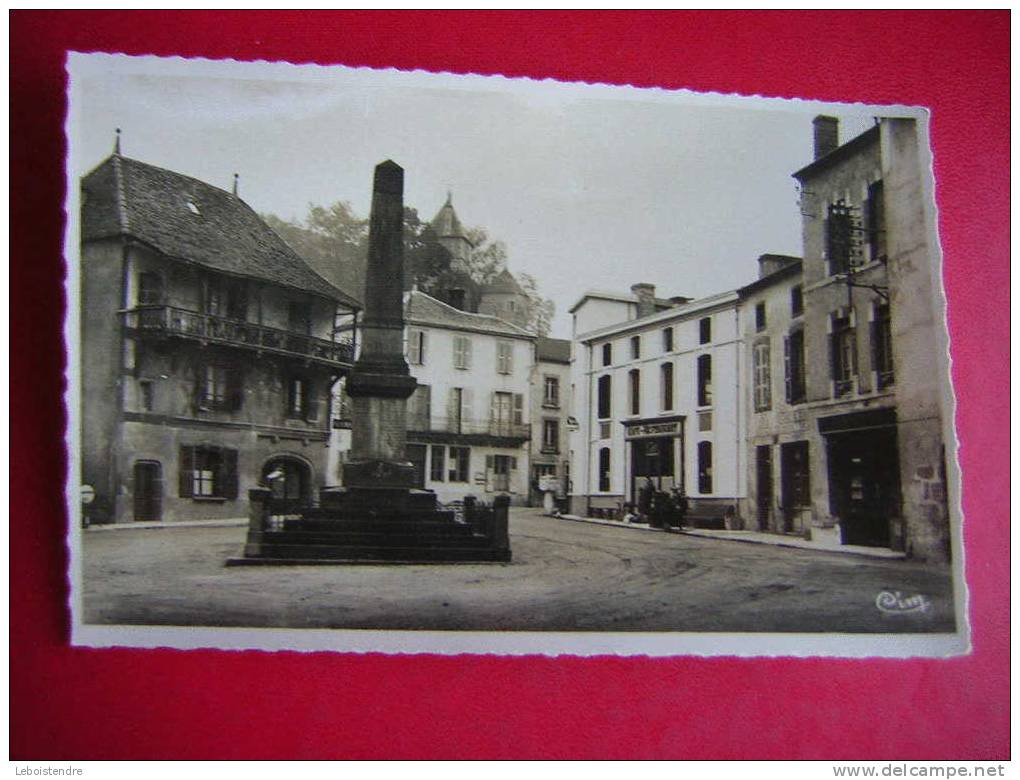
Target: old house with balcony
(551, 412)
(208, 350)
(469, 421)
(658, 387)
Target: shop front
(655, 454)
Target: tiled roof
(552, 350)
(422, 309)
(503, 283)
(189, 220)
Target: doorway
(289, 480)
(148, 491)
(864, 484)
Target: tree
(487, 259)
(333, 240)
(540, 310)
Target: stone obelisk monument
(380, 382)
(377, 515)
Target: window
(605, 461)
(874, 211)
(635, 391)
(607, 354)
(504, 357)
(667, 340)
(881, 346)
(635, 347)
(796, 477)
(551, 392)
(762, 377)
(299, 318)
(794, 363)
(704, 467)
(215, 299)
(705, 380)
(704, 330)
(438, 463)
(605, 430)
(461, 352)
(550, 435)
(666, 386)
(146, 390)
(704, 421)
(839, 238)
(511, 306)
(219, 387)
(605, 405)
(843, 355)
(460, 464)
(796, 301)
(759, 317)
(208, 472)
(415, 347)
(150, 288)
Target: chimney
(826, 135)
(645, 294)
(769, 264)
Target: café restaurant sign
(653, 428)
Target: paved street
(565, 576)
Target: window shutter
(421, 347)
(187, 465)
(518, 409)
(451, 405)
(834, 356)
(467, 352)
(787, 369)
(513, 464)
(228, 474)
(200, 370)
(465, 404)
(493, 407)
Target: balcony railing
(482, 427)
(173, 321)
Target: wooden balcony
(170, 321)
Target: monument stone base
(374, 525)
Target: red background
(75, 703)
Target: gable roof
(191, 221)
(422, 309)
(503, 283)
(840, 153)
(552, 350)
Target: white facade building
(469, 421)
(658, 394)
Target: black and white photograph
(407, 362)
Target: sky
(589, 187)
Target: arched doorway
(289, 479)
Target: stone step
(372, 539)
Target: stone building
(848, 446)
(550, 412)
(469, 421)
(208, 350)
(658, 390)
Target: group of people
(658, 508)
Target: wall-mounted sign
(653, 429)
